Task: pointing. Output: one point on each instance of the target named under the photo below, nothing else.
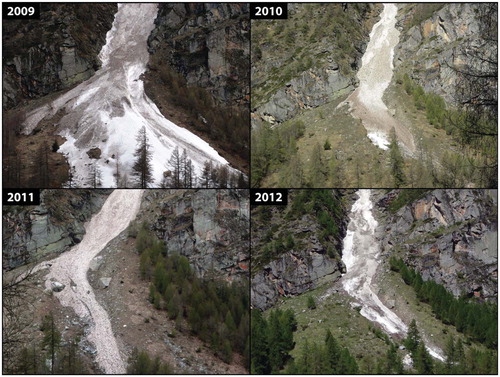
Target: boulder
(105, 282)
(96, 263)
(57, 287)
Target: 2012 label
(20, 11)
(21, 197)
(269, 196)
(268, 11)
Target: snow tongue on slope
(375, 74)
(71, 267)
(109, 109)
(361, 258)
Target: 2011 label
(21, 197)
(268, 11)
(20, 11)
(269, 196)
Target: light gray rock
(96, 263)
(104, 282)
(56, 286)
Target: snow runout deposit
(72, 266)
(108, 110)
(361, 258)
(374, 76)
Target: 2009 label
(269, 196)
(21, 197)
(20, 11)
(268, 11)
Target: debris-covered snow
(71, 268)
(108, 110)
(379, 139)
(360, 256)
(366, 102)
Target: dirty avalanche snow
(361, 258)
(374, 77)
(71, 269)
(109, 109)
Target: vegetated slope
(296, 247)
(456, 142)
(53, 53)
(449, 52)
(198, 73)
(447, 236)
(308, 59)
(35, 232)
(199, 323)
(41, 58)
(209, 227)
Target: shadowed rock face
(50, 228)
(55, 52)
(209, 227)
(208, 44)
(449, 236)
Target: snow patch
(379, 139)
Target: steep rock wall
(30, 233)
(209, 227)
(208, 44)
(449, 236)
(313, 67)
(434, 37)
(55, 52)
(312, 258)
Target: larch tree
(175, 164)
(142, 169)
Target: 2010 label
(21, 197)
(269, 196)
(268, 11)
(20, 11)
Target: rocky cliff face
(55, 52)
(209, 227)
(208, 44)
(308, 60)
(30, 233)
(433, 40)
(449, 236)
(312, 88)
(298, 265)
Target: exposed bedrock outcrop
(312, 259)
(450, 236)
(208, 44)
(432, 49)
(209, 227)
(53, 53)
(30, 233)
(311, 89)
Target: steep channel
(108, 110)
(361, 258)
(71, 269)
(374, 77)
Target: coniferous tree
(422, 360)
(412, 338)
(51, 339)
(95, 175)
(397, 162)
(175, 163)
(142, 169)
